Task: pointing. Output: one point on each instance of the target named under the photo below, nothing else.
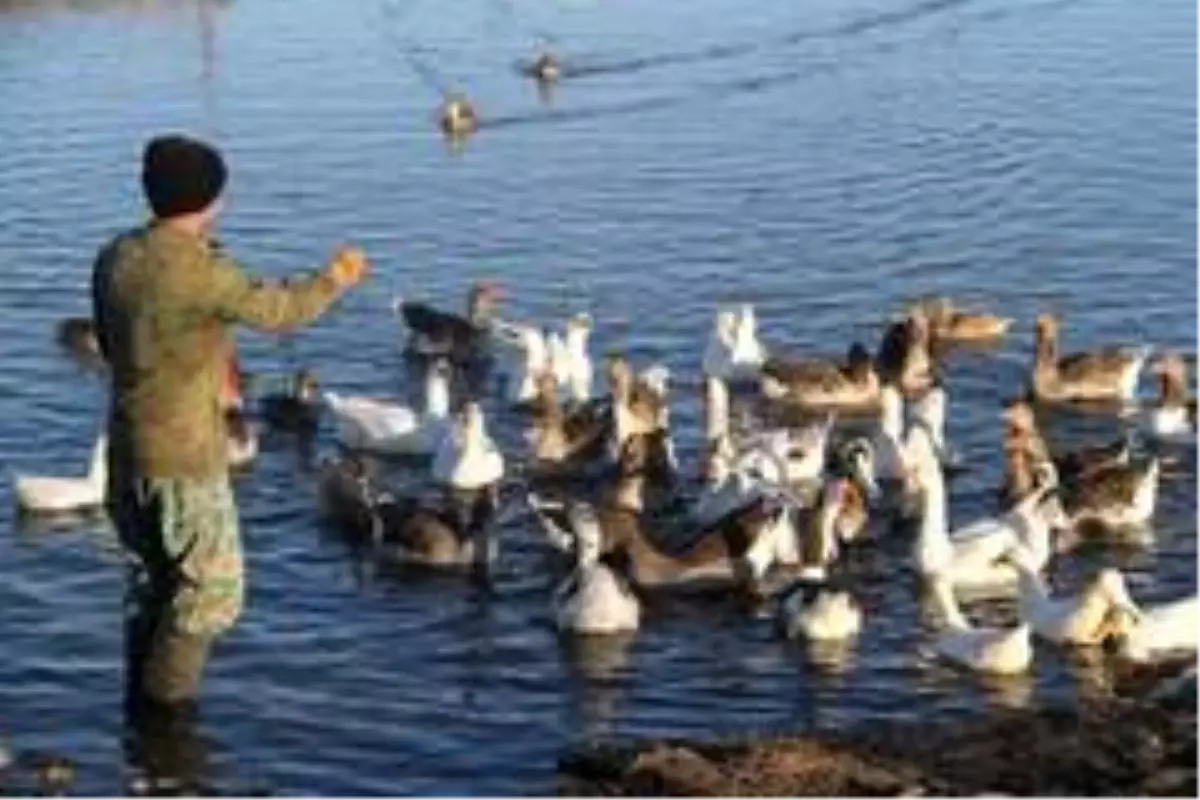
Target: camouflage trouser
(186, 584)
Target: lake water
(823, 159)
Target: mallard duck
(379, 426)
(1107, 374)
(1117, 497)
(457, 117)
(823, 384)
(467, 458)
(298, 409)
(996, 651)
(973, 557)
(78, 335)
(434, 333)
(1172, 415)
(51, 495)
(904, 357)
(953, 325)
(1164, 632)
(818, 613)
(1086, 618)
(596, 598)
(734, 352)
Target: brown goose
(1116, 497)
(950, 324)
(904, 357)
(438, 333)
(1105, 374)
(824, 384)
(1172, 415)
(406, 529)
(1071, 466)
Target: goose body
(1106, 374)
(825, 385)
(1120, 496)
(53, 495)
(467, 458)
(1170, 417)
(819, 614)
(1161, 633)
(594, 599)
(1082, 619)
(993, 651)
(953, 325)
(377, 426)
(734, 352)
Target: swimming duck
(1106, 374)
(995, 651)
(1172, 415)
(596, 598)
(822, 384)
(1154, 634)
(904, 358)
(50, 495)
(467, 458)
(545, 68)
(436, 333)
(1083, 619)
(1117, 497)
(734, 352)
(406, 529)
(386, 428)
(298, 409)
(818, 613)
(973, 557)
(953, 325)
(78, 335)
(457, 117)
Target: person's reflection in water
(164, 751)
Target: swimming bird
(457, 117)
(1117, 497)
(1171, 417)
(1086, 618)
(734, 353)
(298, 409)
(818, 613)
(54, 495)
(823, 384)
(546, 68)
(462, 339)
(596, 598)
(379, 426)
(951, 324)
(995, 651)
(467, 459)
(1104, 374)
(904, 358)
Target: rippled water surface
(824, 159)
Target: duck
(1106, 374)
(823, 384)
(78, 335)
(597, 597)
(733, 352)
(952, 325)
(1078, 465)
(457, 117)
(385, 428)
(1084, 619)
(904, 358)
(462, 339)
(1159, 633)
(467, 459)
(818, 613)
(53, 495)
(1172, 415)
(1116, 497)
(973, 558)
(298, 409)
(987, 650)
(406, 530)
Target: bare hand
(348, 267)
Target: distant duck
(994, 651)
(457, 117)
(904, 357)
(1106, 374)
(818, 613)
(405, 529)
(821, 384)
(734, 353)
(386, 428)
(953, 325)
(78, 335)
(51, 495)
(1171, 416)
(1159, 633)
(298, 409)
(1086, 618)
(467, 459)
(596, 598)
(546, 68)
(462, 339)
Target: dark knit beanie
(181, 175)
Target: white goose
(995, 651)
(570, 360)
(818, 613)
(376, 426)
(973, 558)
(593, 599)
(1083, 619)
(1158, 633)
(887, 441)
(531, 360)
(468, 459)
(50, 495)
(733, 352)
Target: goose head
(858, 457)
(1171, 372)
(1045, 334)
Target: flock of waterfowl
(777, 507)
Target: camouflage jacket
(163, 302)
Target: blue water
(825, 160)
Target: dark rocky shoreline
(1125, 747)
